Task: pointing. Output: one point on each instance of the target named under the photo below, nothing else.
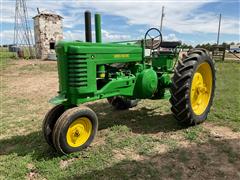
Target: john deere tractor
(124, 73)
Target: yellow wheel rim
(79, 132)
(201, 88)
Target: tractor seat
(170, 44)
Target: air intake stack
(98, 28)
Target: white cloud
(6, 37)
(170, 37)
(112, 36)
(181, 16)
(7, 12)
(106, 35)
(74, 35)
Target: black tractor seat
(170, 44)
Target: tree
(198, 46)
(225, 45)
(186, 46)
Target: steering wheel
(153, 38)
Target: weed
(192, 133)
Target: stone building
(47, 31)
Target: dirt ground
(232, 56)
(142, 143)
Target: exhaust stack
(88, 26)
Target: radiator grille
(77, 70)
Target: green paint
(92, 71)
(164, 62)
(98, 28)
(146, 84)
(101, 71)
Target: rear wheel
(193, 86)
(122, 103)
(74, 130)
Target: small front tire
(49, 121)
(75, 130)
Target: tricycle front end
(124, 73)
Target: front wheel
(193, 86)
(49, 121)
(75, 129)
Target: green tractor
(124, 73)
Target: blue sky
(190, 21)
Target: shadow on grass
(32, 144)
(216, 159)
(141, 120)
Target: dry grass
(142, 143)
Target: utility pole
(219, 27)
(162, 18)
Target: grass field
(5, 54)
(144, 142)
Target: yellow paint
(79, 132)
(201, 88)
(121, 55)
(102, 75)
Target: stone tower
(47, 31)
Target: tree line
(210, 47)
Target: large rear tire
(193, 86)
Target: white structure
(235, 48)
(47, 31)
